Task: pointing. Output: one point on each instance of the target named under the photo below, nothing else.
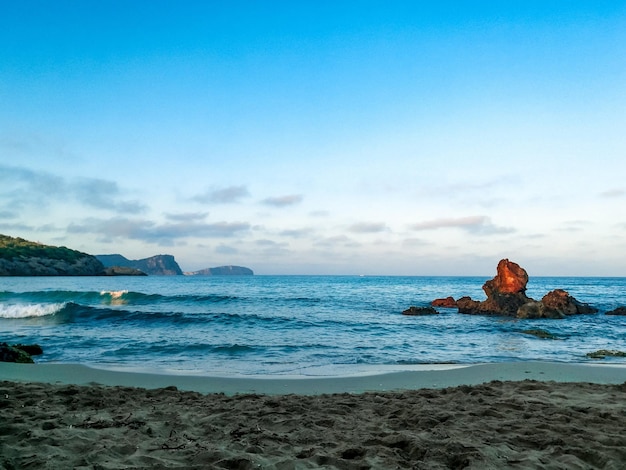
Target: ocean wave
(114, 294)
(111, 297)
(30, 310)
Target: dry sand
(569, 424)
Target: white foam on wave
(30, 310)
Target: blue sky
(408, 138)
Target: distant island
(19, 257)
(158, 265)
(166, 265)
(222, 271)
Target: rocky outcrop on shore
(222, 271)
(506, 295)
(158, 265)
(20, 353)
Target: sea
(292, 325)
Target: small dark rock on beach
(20, 353)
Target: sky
(319, 137)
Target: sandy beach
(521, 415)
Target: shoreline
(436, 376)
(475, 417)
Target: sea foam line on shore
(272, 385)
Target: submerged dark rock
(543, 334)
(602, 353)
(420, 311)
(617, 311)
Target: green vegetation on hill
(11, 248)
(19, 257)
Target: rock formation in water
(448, 302)
(506, 295)
(222, 271)
(617, 311)
(158, 265)
(418, 311)
(555, 304)
(19, 257)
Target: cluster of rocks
(506, 295)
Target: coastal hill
(158, 265)
(222, 271)
(19, 257)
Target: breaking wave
(30, 310)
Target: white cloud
(283, 201)
(368, 227)
(23, 187)
(187, 216)
(228, 195)
(478, 224)
(613, 193)
(150, 232)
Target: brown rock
(560, 301)
(468, 305)
(505, 292)
(448, 302)
(506, 295)
(511, 278)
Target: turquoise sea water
(290, 325)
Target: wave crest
(30, 310)
(114, 294)
(115, 297)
